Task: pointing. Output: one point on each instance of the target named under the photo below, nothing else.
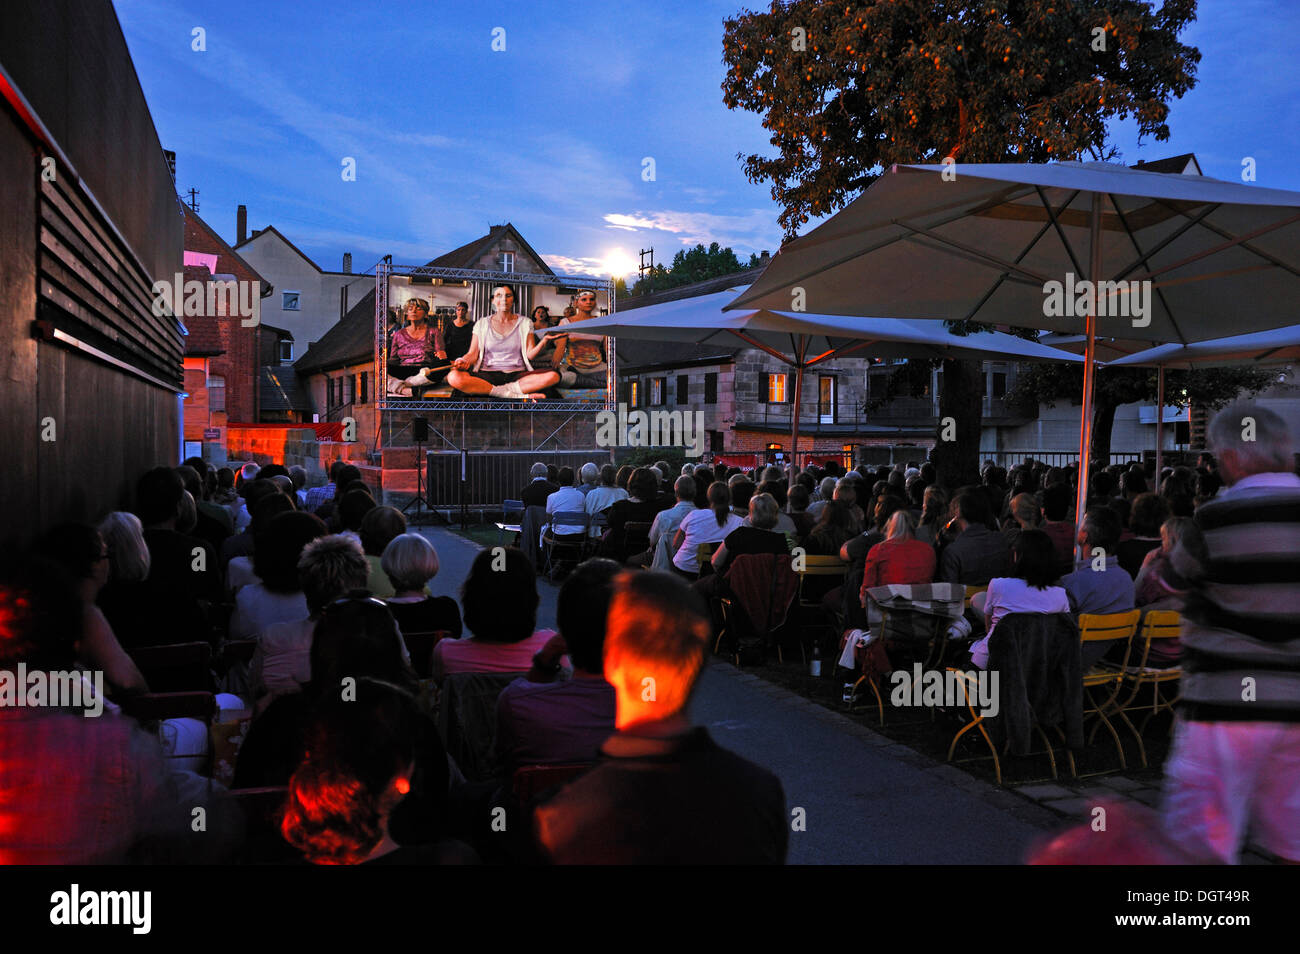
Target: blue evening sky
(449, 136)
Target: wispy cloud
(753, 230)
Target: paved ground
(866, 800)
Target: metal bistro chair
(811, 614)
(1158, 625)
(567, 532)
(512, 516)
(1101, 683)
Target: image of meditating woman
(417, 350)
(500, 356)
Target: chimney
(241, 224)
(347, 262)
(171, 163)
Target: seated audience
(664, 527)
(803, 521)
(499, 605)
(1058, 523)
(379, 527)
(1107, 589)
(124, 599)
(567, 498)
(759, 534)
(328, 568)
(538, 488)
(184, 576)
(278, 597)
(934, 514)
(82, 554)
(410, 562)
(604, 495)
(1149, 513)
(539, 722)
(77, 790)
(365, 758)
(1031, 588)
(978, 554)
(900, 558)
(664, 792)
(640, 506)
(712, 524)
(240, 571)
(241, 544)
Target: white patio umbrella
(804, 340)
(1278, 347)
(992, 241)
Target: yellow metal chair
(1137, 674)
(1102, 683)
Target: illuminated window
(634, 394)
(657, 389)
(775, 389)
(216, 393)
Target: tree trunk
(961, 399)
(1103, 422)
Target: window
(291, 301)
(683, 389)
(284, 349)
(846, 457)
(711, 388)
(364, 388)
(826, 400)
(774, 389)
(216, 393)
(658, 392)
(634, 394)
(348, 381)
(998, 384)
(506, 261)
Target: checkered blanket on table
(909, 604)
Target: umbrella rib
(1138, 248)
(753, 342)
(1041, 232)
(1233, 241)
(1006, 266)
(1163, 243)
(1051, 214)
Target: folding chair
(512, 515)
(567, 532)
(467, 707)
(1013, 633)
(419, 646)
(810, 606)
(636, 537)
(529, 781)
(178, 667)
(704, 554)
(1101, 684)
(906, 635)
(598, 525)
(262, 810)
(762, 587)
(1158, 625)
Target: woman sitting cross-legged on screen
(415, 349)
(499, 360)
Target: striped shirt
(1241, 630)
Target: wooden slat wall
(98, 292)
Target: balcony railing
(900, 412)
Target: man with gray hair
(1234, 768)
(664, 527)
(539, 488)
(589, 475)
(825, 493)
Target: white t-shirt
(1007, 594)
(566, 500)
(256, 608)
(701, 526)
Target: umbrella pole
(798, 393)
(1160, 420)
(1089, 368)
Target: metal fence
(483, 479)
(1010, 458)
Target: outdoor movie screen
(493, 339)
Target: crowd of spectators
(324, 642)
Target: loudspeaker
(1182, 432)
(419, 430)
